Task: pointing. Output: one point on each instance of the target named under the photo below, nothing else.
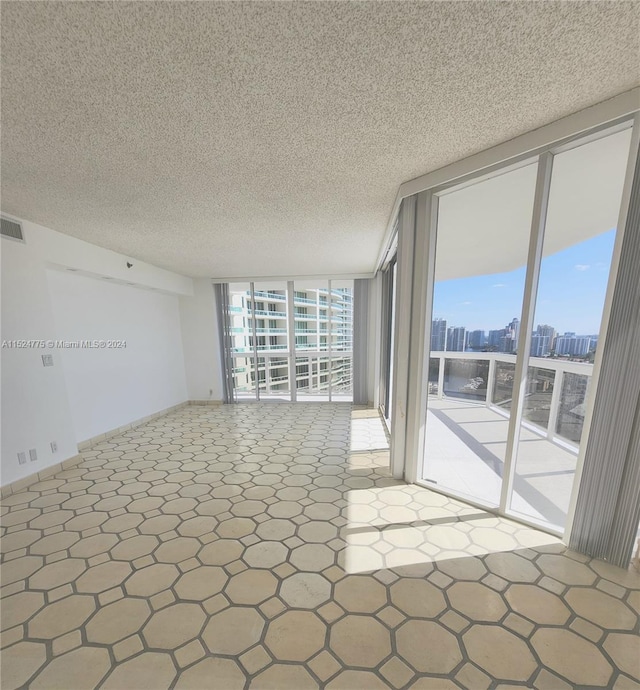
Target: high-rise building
(509, 342)
(477, 340)
(540, 345)
(574, 345)
(262, 326)
(456, 338)
(438, 335)
(495, 338)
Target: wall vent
(11, 229)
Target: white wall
(86, 392)
(35, 408)
(111, 387)
(200, 341)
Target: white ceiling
(239, 139)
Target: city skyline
(571, 293)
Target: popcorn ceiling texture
(228, 139)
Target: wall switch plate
(54, 446)
(47, 360)
(33, 455)
(22, 458)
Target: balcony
(468, 416)
(271, 314)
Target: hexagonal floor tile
(417, 598)
(266, 554)
(360, 641)
(499, 652)
(428, 646)
(280, 676)
(18, 608)
(251, 587)
(233, 630)
(360, 594)
(118, 620)
(350, 680)
(476, 601)
(295, 636)
(221, 552)
(84, 667)
(177, 550)
(20, 662)
(101, 577)
(312, 557)
(601, 609)
(173, 626)
(61, 617)
(57, 574)
(201, 583)
(305, 590)
(227, 675)
(147, 671)
(537, 604)
(150, 580)
(570, 655)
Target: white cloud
(582, 267)
(466, 303)
(499, 285)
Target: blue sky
(571, 292)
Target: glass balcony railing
(555, 397)
(271, 314)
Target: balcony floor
(466, 445)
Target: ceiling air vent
(12, 229)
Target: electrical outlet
(54, 446)
(22, 458)
(47, 360)
(33, 455)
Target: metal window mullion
(534, 259)
(490, 382)
(440, 393)
(255, 339)
(221, 293)
(554, 408)
(291, 327)
(402, 329)
(329, 347)
(384, 343)
(424, 261)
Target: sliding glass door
(522, 264)
(481, 255)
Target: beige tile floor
(249, 547)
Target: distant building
(542, 340)
(540, 345)
(477, 339)
(439, 335)
(495, 338)
(574, 345)
(456, 338)
(544, 329)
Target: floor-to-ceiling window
(522, 265)
(481, 255)
(389, 285)
(291, 340)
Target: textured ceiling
(239, 139)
